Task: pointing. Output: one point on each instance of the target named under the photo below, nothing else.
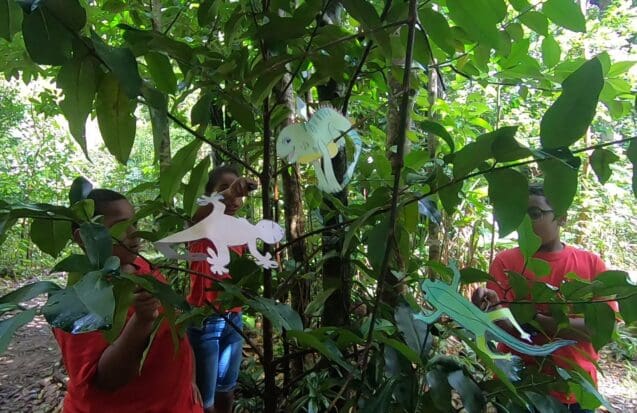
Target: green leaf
(472, 155)
(414, 331)
(631, 153)
(200, 112)
(472, 399)
(307, 339)
(600, 161)
(196, 185)
(281, 315)
(50, 236)
(45, 38)
(122, 63)
(69, 12)
(565, 13)
(315, 308)
(479, 19)
(568, 118)
(377, 243)
(509, 194)
(528, 241)
(600, 321)
(448, 192)
(87, 305)
(161, 70)
(97, 243)
(364, 12)
(535, 21)
(80, 188)
(182, 163)
(439, 389)
(619, 68)
(163, 292)
(207, 12)
(123, 294)
(560, 184)
(74, 263)
(11, 19)
(28, 292)
(116, 118)
(8, 326)
(628, 309)
(78, 80)
(546, 403)
(241, 111)
(539, 267)
(551, 51)
(506, 148)
(264, 84)
(437, 28)
(474, 275)
(438, 130)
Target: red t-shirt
(583, 263)
(203, 290)
(164, 385)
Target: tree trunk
(159, 116)
(336, 270)
(433, 229)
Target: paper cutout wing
(318, 140)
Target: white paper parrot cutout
(224, 231)
(320, 139)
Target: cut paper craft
(447, 300)
(224, 231)
(318, 140)
(428, 208)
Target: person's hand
(146, 306)
(196, 395)
(485, 299)
(240, 188)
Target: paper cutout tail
(358, 145)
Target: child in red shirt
(217, 345)
(105, 377)
(563, 259)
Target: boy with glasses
(563, 259)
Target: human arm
(119, 363)
(240, 187)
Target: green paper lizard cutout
(447, 300)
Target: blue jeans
(217, 347)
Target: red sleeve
(500, 284)
(600, 267)
(81, 353)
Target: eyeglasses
(536, 213)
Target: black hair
(100, 198)
(215, 175)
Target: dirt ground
(32, 378)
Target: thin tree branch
(567, 302)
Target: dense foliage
(459, 103)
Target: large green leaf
(326, 348)
(200, 112)
(196, 185)
(121, 62)
(509, 194)
(281, 315)
(631, 153)
(182, 163)
(50, 236)
(506, 148)
(161, 70)
(600, 161)
(472, 399)
(10, 20)
(437, 28)
(535, 21)
(600, 321)
(97, 243)
(28, 292)
(448, 192)
(163, 292)
(46, 39)
(364, 12)
(207, 12)
(528, 241)
(80, 188)
(116, 118)
(566, 13)
(74, 263)
(438, 130)
(69, 12)
(242, 111)
(315, 308)
(8, 326)
(628, 309)
(414, 331)
(551, 51)
(440, 389)
(560, 184)
(87, 305)
(78, 80)
(479, 18)
(546, 403)
(568, 118)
